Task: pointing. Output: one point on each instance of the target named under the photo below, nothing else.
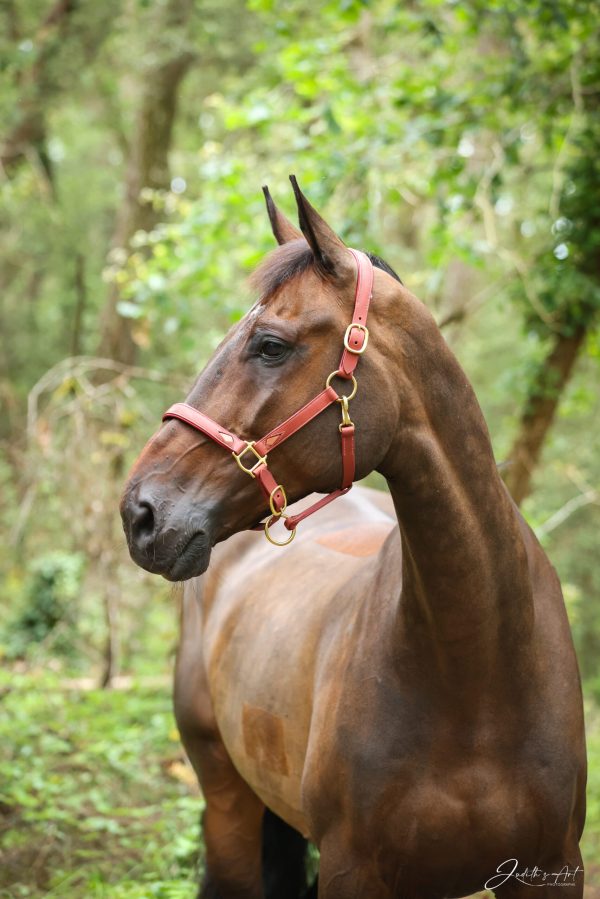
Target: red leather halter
(355, 343)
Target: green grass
(93, 798)
(96, 800)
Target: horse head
(184, 493)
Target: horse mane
(294, 258)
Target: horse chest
(423, 793)
(444, 828)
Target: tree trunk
(148, 167)
(68, 37)
(540, 409)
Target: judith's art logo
(533, 877)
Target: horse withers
(399, 683)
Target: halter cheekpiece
(251, 455)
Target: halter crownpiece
(251, 455)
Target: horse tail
(284, 861)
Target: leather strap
(356, 334)
(292, 521)
(252, 457)
(296, 421)
(348, 463)
(272, 490)
(347, 440)
(227, 439)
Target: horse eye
(271, 349)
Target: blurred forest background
(459, 140)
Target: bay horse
(399, 684)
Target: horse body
(399, 684)
(433, 786)
(247, 596)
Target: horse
(399, 684)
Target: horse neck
(466, 587)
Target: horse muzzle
(172, 540)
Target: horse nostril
(142, 519)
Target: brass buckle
(350, 396)
(277, 513)
(269, 523)
(259, 459)
(365, 331)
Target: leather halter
(254, 453)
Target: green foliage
(483, 146)
(592, 836)
(51, 588)
(92, 800)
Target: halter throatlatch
(251, 455)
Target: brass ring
(335, 374)
(277, 513)
(268, 524)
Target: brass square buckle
(365, 331)
(260, 460)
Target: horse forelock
(292, 259)
(281, 265)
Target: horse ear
(331, 254)
(283, 230)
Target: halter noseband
(254, 453)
